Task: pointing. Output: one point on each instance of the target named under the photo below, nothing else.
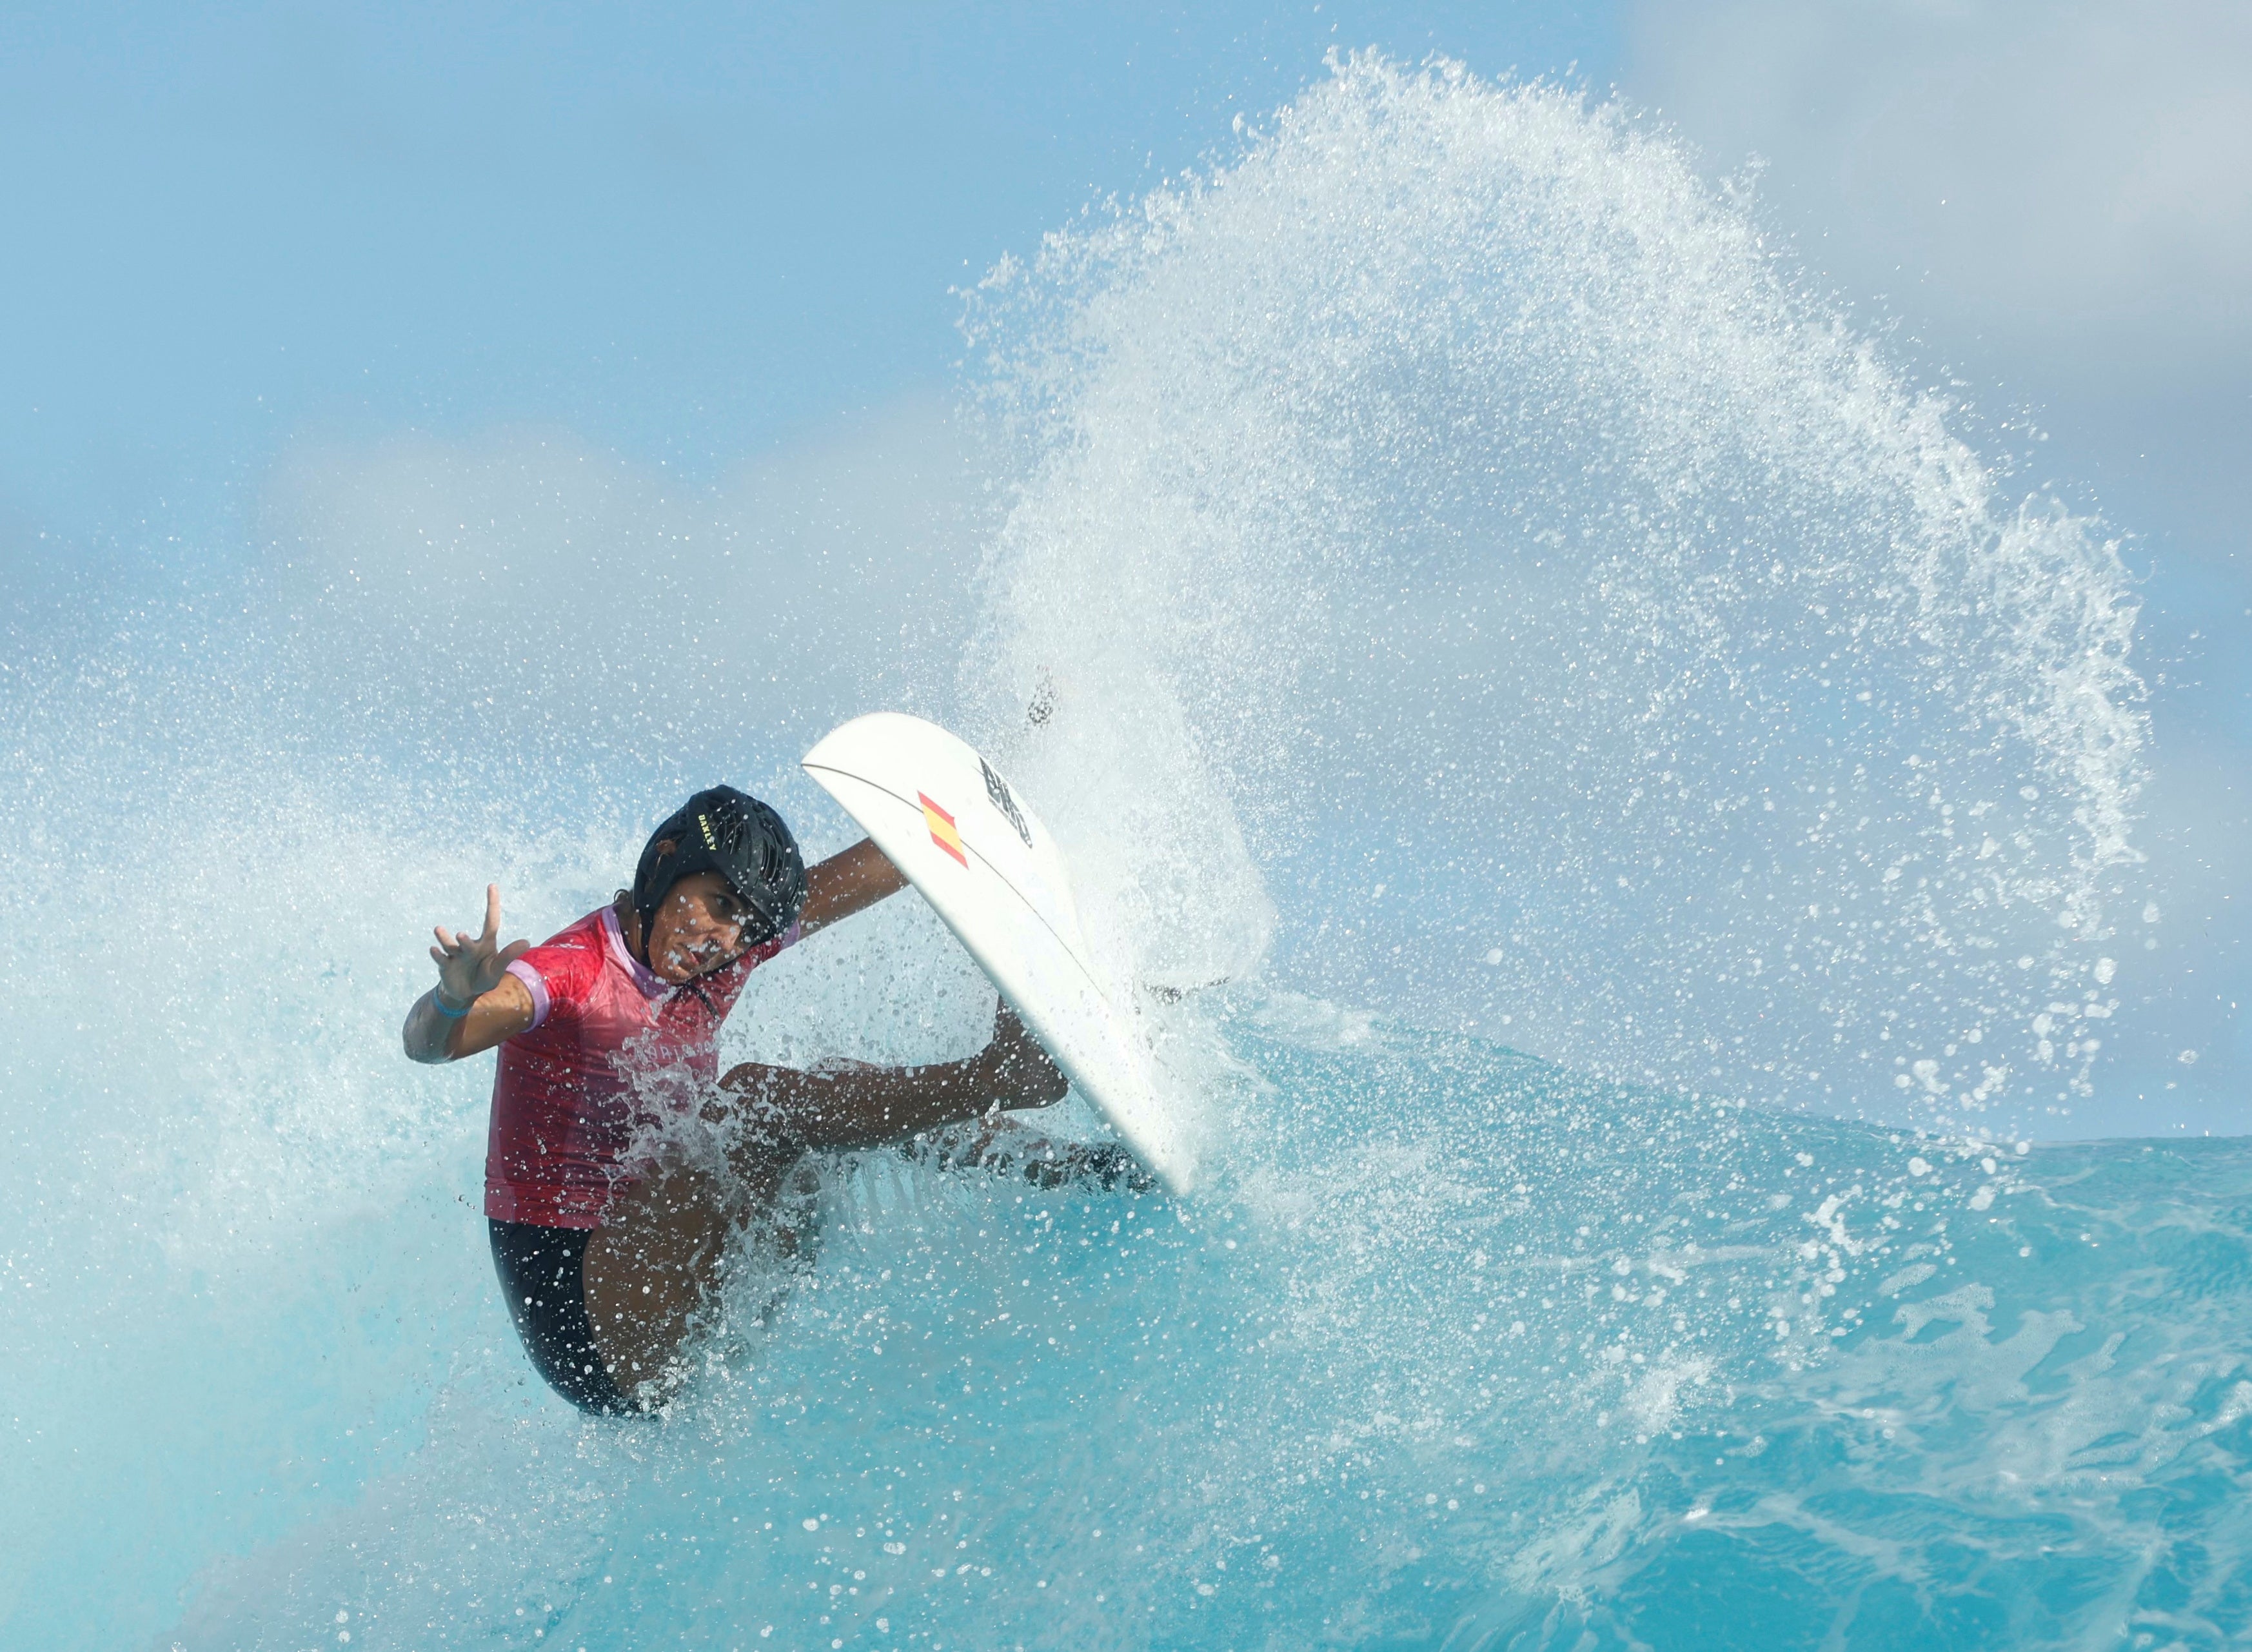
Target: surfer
(611, 1226)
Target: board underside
(949, 823)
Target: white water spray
(1454, 523)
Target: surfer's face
(699, 926)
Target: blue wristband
(438, 1002)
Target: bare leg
(1004, 1147)
(652, 1268)
(655, 1267)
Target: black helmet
(731, 833)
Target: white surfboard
(949, 822)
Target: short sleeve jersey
(610, 1041)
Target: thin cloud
(2069, 181)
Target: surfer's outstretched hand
(1022, 1074)
(471, 966)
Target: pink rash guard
(609, 1041)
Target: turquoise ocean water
(1463, 1352)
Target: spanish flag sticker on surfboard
(943, 832)
(990, 870)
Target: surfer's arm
(848, 881)
(841, 1108)
(471, 973)
(494, 1019)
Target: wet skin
(656, 1261)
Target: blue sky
(692, 236)
(684, 232)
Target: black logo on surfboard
(998, 790)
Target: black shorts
(542, 1273)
